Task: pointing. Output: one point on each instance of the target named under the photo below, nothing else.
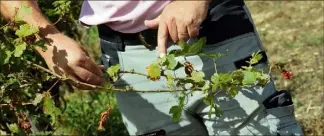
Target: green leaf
(263, 79)
(26, 30)
(218, 111)
(154, 71)
(172, 62)
(41, 44)
(206, 86)
(19, 50)
(175, 111)
(197, 76)
(50, 108)
(39, 97)
(256, 57)
(184, 49)
(162, 61)
(249, 77)
(183, 45)
(113, 72)
(5, 56)
(170, 80)
(22, 12)
(13, 128)
(214, 78)
(197, 46)
(232, 91)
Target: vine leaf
(41, 44)
(172, 63)
(49, 108)
(190, 49)
(249, 77)
(183, 45)
(170, 80)
(154, 72)
(22, 12)
(175, 111)
(232, 91)
(113, 72)
(19, 50)
(197, 76)
(206, 86)
(39, 97)
(162, 61)
(256, 57)
(26, 30)
(5, 55)
(196, 47)
(218, 111)
(13, 128)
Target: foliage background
(292, 33)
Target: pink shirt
(125, 16)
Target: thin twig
(5, 25)
(66, 79)
(53, 85)
(217, 93)
(58, 20)
(142, 91)
(48, 71)
(100, 87)
(133, 72)
(22, 104)
(142, 74)
(215, 65)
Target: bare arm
(63, 54)
(47, 30)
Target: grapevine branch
(142, 74)
(7, 104)
(100, 87)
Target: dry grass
(293, 33)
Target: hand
(180, 20)
(65, 56)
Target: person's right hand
(66, 56)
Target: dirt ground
(292, 33)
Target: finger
(84, 50)
(152, 23)
(172, 28)
(89, 65)
(162, 38)
(88, 77)
(101, 67)
(193, 31)
(182, 31)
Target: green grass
(293, 33)
(82, 114)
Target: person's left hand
(180, 20)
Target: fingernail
(162, 55)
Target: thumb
(152, 23)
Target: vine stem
(133, 72)
(7, 104)
(215, 66)
(142, 74)
(100, 87)
(4, 26)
